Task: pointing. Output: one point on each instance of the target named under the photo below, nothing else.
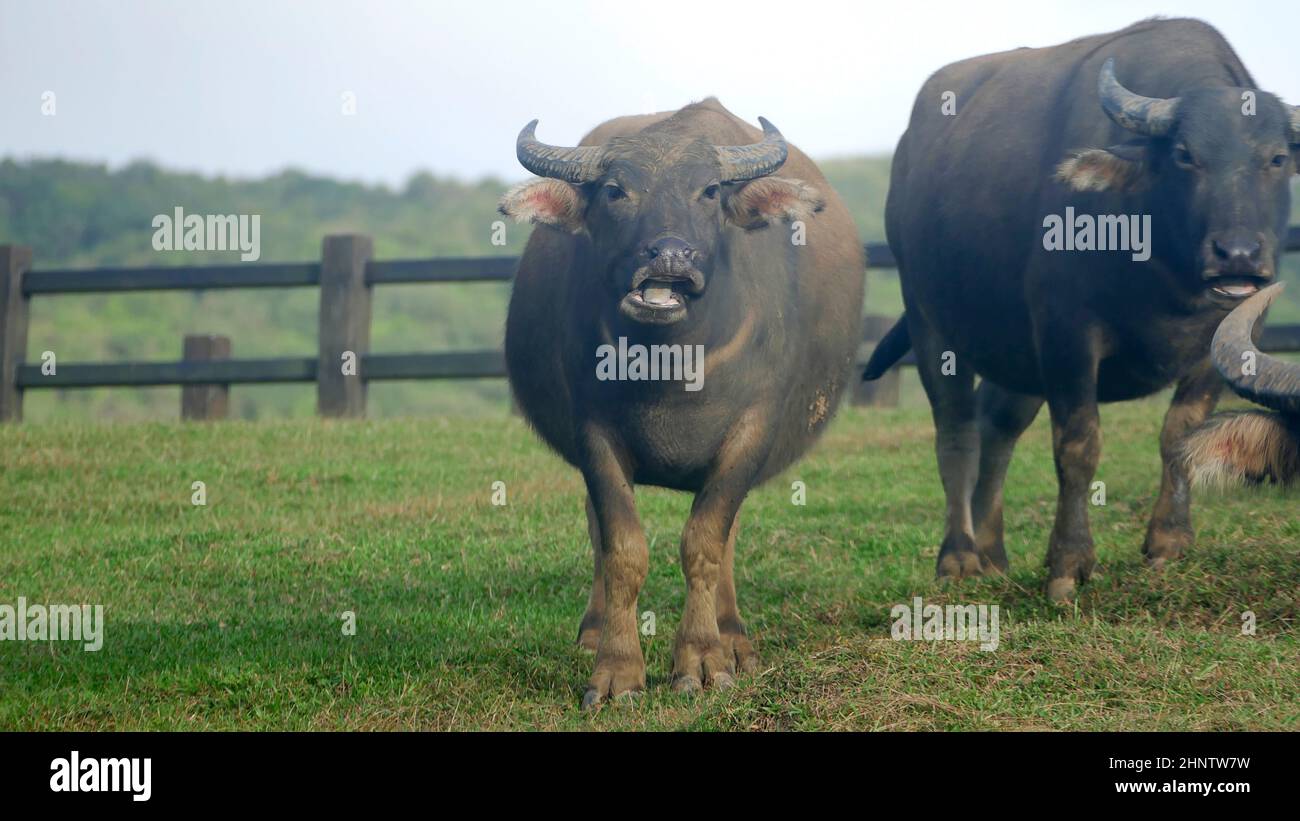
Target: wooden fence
(345, 275)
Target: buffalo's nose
(1237, 251)
(671, 248)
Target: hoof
(957, 565)
(1061, 591)
(959, 559)
(592, 700)
(613, 678)
(1167, 544)
(702, 666)
(738, 647)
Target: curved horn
(747, 162)
(577, 165)
(1274, 384)
(1150, 116)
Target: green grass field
(228, 616)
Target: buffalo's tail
(1244, 448)
(893, 347)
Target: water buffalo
(1003, 194)
(1249, 446)
(671, 234)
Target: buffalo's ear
(767, 199)
(1120, 168)
(546, 202)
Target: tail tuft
(1243, 447)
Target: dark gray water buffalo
(686, 317)
(1072, 223)
(1249, 446)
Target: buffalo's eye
(613, 192)
(1279, 160)
(1184, 157)
(711, 192)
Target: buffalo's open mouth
(1237, 287)
(655, 302)
(657, 294)
(660, 299)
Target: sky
(245, 89)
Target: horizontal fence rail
(453, 269)
(374, 367)
(193, 278)
(152, 374)
(290, 275)
(345, 276)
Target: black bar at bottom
(238, 770)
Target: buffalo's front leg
(1170, 531)
(699, 656)
(624, 558)
(735, 638)
(1070, 374)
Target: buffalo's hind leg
(593, 621)
(1069, 368)
(950, 386)
(731, 628)
(1003, 417)
(1170, 532)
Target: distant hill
(86, 215)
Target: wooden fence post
(344, 325)
(883, 392)
(15, 261)
(201, 402)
